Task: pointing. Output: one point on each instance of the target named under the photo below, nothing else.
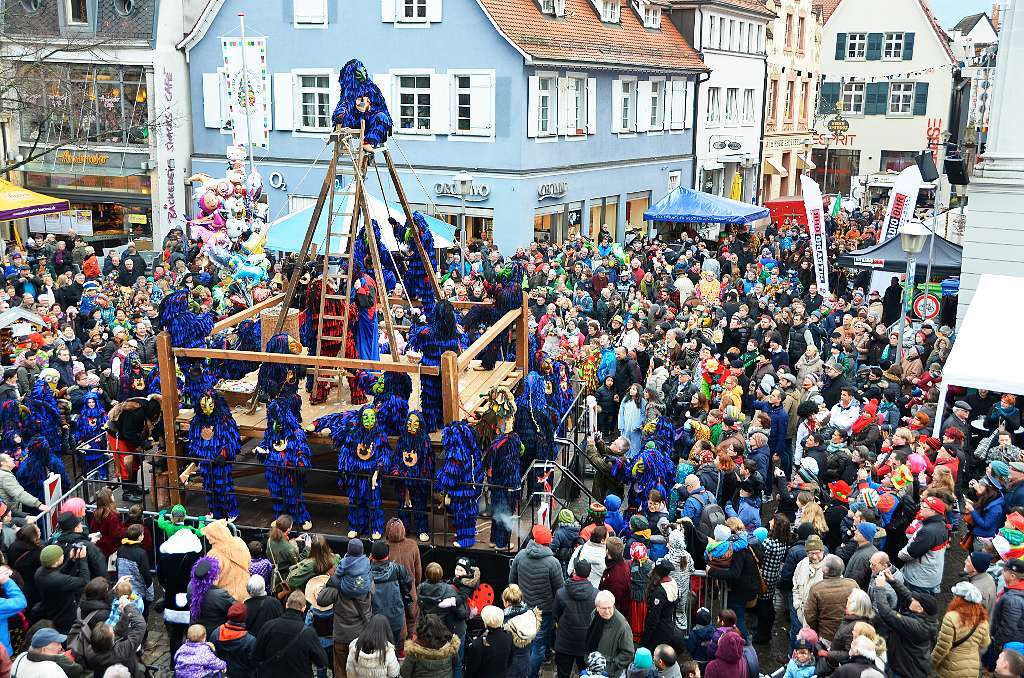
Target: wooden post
(169, 410)
(424, 257)
(449, 386)
(523, 338)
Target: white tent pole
(940, 407)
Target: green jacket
(300, 573)
(170, 528)
(616, 642)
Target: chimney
(995, 16)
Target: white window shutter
(284, 101)
(388, 10)
(688, 104)
(310, 11)
(643, 108)
(440, 103)
(213, 116)
(563, 107)
(533, 105)
(677, 106)
(481, 103)
(434, 11)
(591, 105)
(617, 106)
(666, 105)
(385, 83)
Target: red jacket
(111, 529)
(616, 580)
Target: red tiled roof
(827, 7)
(581, 37)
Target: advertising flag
(816, 226)
(902, 199)
(248, 90)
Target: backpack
(80, 635)
(711, 516)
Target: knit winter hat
(637, 551)
(597, 510)
(936, 504)
(901, 477)
(869, 497)
(638, 523)
(355, 548)
(927, 602)
(236, 613)
(761, 533)
(566, 517)
(642, 659)
(597, 664)
(980, 560)
(868, 531)
(612, 502)
(49, 556)
(541, 535)
(1000, 469)
(722, 533)
(814, 543)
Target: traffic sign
(926, 306)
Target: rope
(384, 198)
(415, 175)
(302, 180)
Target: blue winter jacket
(777, 433)
(11, 604)
(989, 518)
(747, 511)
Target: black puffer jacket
(574, 608)
(742, 575)
(538, 573)
(911, 656)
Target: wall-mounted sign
(277, 181)
(69, 158)
(785, 143)
(480, 192)
(554, 189)
(834, 139)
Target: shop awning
(803, 161)
(686, 206)
(286, 234)
(18, 203)
(774, 166)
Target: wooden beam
(232, 320)
(424, 257)
(449, 386)
(523, 336)
(169, 409)
(487, 337)
(307, 360)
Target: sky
(949, 12)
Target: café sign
(478, 192)
(554, 189)
(69, 158)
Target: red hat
(872, 407)
(541, 535)
(236, 613)
(841, 490)
(886, 502)
(933, 443)
(936, 504)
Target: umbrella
(17, 202)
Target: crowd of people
(750, 427)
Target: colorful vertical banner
(902, 200)
(816, 226)
(253, 100)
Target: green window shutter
(921, 98)
(874, 51)
(828, 98)
(840, 46)
(908, 46)
(876, 95)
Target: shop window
(843, 165)
(636, 205)
(896, 161)
(604, 215)
(77, 12)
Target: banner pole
(245, 95)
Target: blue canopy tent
(286, 234)
(686, 206)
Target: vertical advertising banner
(902, 199)
(248, 90)
(816, 227)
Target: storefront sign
(277, 181)
(785, 143)
(934, 137)
(137, 219)
(69, 158)
(480, 192)
(170, 203)
(555, 189)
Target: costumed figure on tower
(288, 457)
(535, 422)
(440, 334)
(364, 295)
(363, 460)
(131, 425)
(90, 444)
(391, 400)
(460, 479)
(413, 464)
(214, 440)
(507, 293)
(361, 102)
(416, 279)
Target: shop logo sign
(555, 189)
(479, 192)
(69, 158)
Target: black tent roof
(889, 256)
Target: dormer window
(608, 10)
(553, 7)
(649, 13)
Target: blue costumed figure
(504, 460)
(11, 440)
(416, 279)
(535, 422)
(277, 381)
(214, 441)
(361, 101)
(361, 252)
(439, 335)
(364, 459)
(90, 441)
(288, 457)
(643, 473)
(460, 479)
(413, 464)
(133, 377)
(44, 409)
(507, 293)
(392, 402)
(562, 392)
(364, 295)
(39, 462)
(184, 320)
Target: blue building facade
(561, 134)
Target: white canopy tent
(986, 353)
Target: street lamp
(464, 187)
(912, 238)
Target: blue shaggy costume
(416, 279)
(277, 381)
(508, 295)
(364, 295)
(89, 427)
(504, 458)
(38, 463)
(439, 335)
(392, 402)
(44, 415)
(363, 460)
(356, 84)
(133, 377)
(461, 479)
(214, 441)
(413, 464)
(288, 458)
(535, 420)
(361, 252)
